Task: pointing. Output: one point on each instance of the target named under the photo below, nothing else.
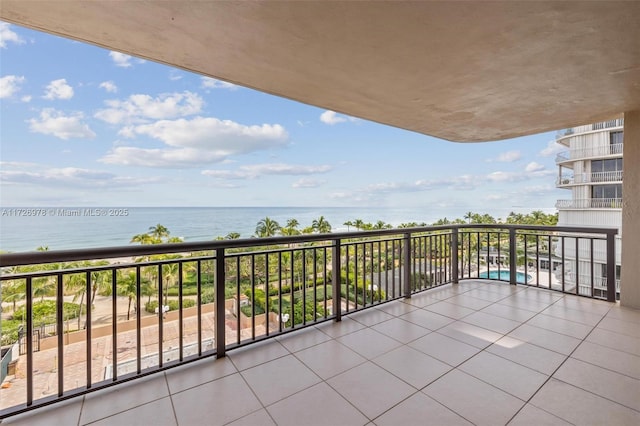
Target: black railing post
(513, 256)
(406, 253)
(335, 280)
(611, 267)
(454, 255)
(219, 304)
(29, 337)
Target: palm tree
(288, 232)
(381, 225)
(170, 274)
(408, 225)
(127, 286)
(469, 216)
(144, 239)
(291, 228)
(13, 292)
(321, 226)
(99, 281)
(77, 284)
(359, 224)
(233, 236)
(348, 224)
(267, 227)
(159, 231)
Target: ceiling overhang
(462, 71)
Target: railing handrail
(53, 256)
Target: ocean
(59, 228)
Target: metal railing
(593, 177)
(618, 122)
(170, 304)
(590, 203)
(600, 284)
(590, 152)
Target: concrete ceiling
(462, 71)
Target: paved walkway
(75, 366)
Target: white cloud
(18, 164)
(256, 170)
(212, 83)
(109, 86)
(538, 190)
(120, 59)
(533, 167)
(8, 35)
(500, 176)
(52, 122)
(331, 118)
(552, 149)
(463, 182)
(70, 177)
(307, 183)
(141, 108)
(26, 98)
(507, 157)
(9, 85)
(453, 183)
(174, 75)
(195, 142)
(58, 89)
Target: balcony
(596, 177)
(613, 150)
(405, 327)
(590, 203)
(477, 352)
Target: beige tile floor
(480, 352)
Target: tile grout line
(556, 370)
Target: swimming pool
(505, 276)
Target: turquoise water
(116, 226)
(506, 276)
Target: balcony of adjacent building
(589, 203)
(567, 180)
(565, 158)
(563, 136)
(463, 324)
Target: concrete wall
(630, 279)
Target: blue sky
(84, 126)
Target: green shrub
(151, 306)
(9, 331)
(44, 311)
(246, 309)
(187, 290)
(320, 294)
(173, 305)
(259, 298)
(298, 315)
(208, 296)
